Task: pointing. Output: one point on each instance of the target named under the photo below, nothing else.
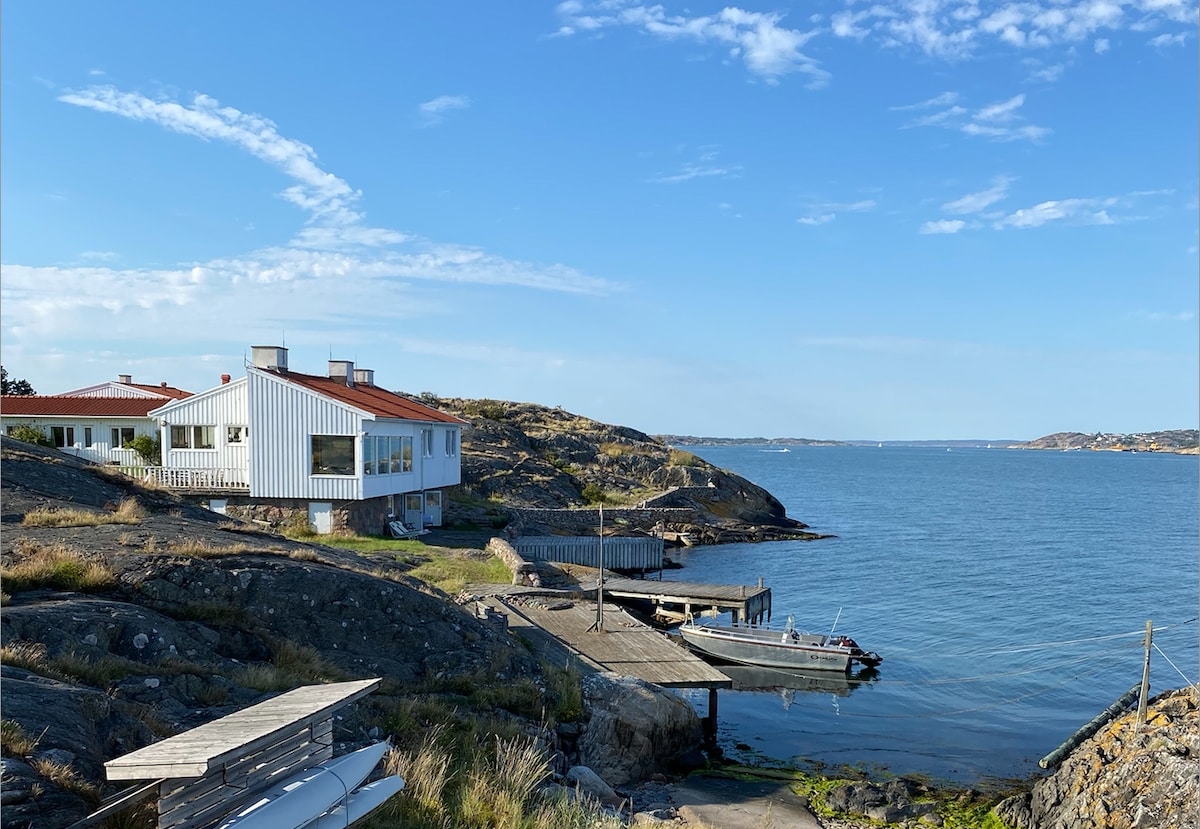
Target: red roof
(162, 389)
(67, 406)
(373, 399)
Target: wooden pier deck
(677, 599)
(626, 646)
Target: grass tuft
(14, 742)
(67, 778)
(56, 566)
(128, 511)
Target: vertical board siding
(221, 407)
(620, 552)
(283, 418)
(102, 449)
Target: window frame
(451, 443)
(118, 438)
(193, 436)
(242, 434)
(341, 442)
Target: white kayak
(359, 803)
(310, 793)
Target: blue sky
(902, 220)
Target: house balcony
(211, 479)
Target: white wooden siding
(283, 418)
(102, 449)
(221, 407)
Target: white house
(337, 448)
(94, 422)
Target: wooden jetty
(676, 600)
(567, 628)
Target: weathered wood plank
(627, 646)
(212, 745)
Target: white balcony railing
(199, 479)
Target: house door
(320, 517)
(433, 508)
(414, 511)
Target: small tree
(149, 449)
(31, 434)
(20, 387)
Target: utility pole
(1141, 713)
(598, 625)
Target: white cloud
(1161, 41)
(434, 112)
(705, 166)
(975, 202)
(766, 48)
(825, 212)
(99, 255)
(1101, 45)
(1164, 316)
(999, 121)
(1072, 211)
(943, 226)
(342, 262)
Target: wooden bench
(207, 773)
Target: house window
(406, 454)
(62, 436)
(426, 443)
(236, 434)
(192, 437)
(121, 435)
(87, 437)
(368, 462)
(413, 504)
(395, 458)
(383, 460)
(332, 455)
(451, 443)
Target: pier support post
(1141, 714)
(710, 722)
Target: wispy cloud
(768, 49)
(998, 121)
(98, 255)
(1101, 45)
(1165, 40)
(943, 100)
(1166, 316)
(706, 165)
(342, 261)
(975, 202)
(942, 226)
(1071, 211)
(431, 113)
(825, 212)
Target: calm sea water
(1007, 590)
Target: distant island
(1177, 441)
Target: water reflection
(788, 683)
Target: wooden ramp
(678, 599)
(626, 646)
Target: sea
(1007, 590)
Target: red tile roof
(67, 406)
(162, 389)
(379, 402)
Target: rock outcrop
(1127, 776)
(634, 729)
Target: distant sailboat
(881, 444)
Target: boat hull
(768, 648)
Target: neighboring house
(338, 450)
(95, 422)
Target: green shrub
(31, 434)
(593, 494)
(149, 449)
(487, 409)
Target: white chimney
(126, 379)
(269, 356)
(364, 376)
(343, 371)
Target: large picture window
(121, 435)
(332, 455)
(368, 459)
(192, 437)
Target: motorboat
(790, 649)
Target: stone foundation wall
(523, 572)
(367, 517)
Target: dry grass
(291, 665)
(202, 549)
(304, 554)
(67, 778)
(55, 566)
(677, 457)
(128, 511)
(14, 742)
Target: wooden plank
(195, 803)
(627, 646)
(212, 745)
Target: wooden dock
(676, 600)
(566, 629)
